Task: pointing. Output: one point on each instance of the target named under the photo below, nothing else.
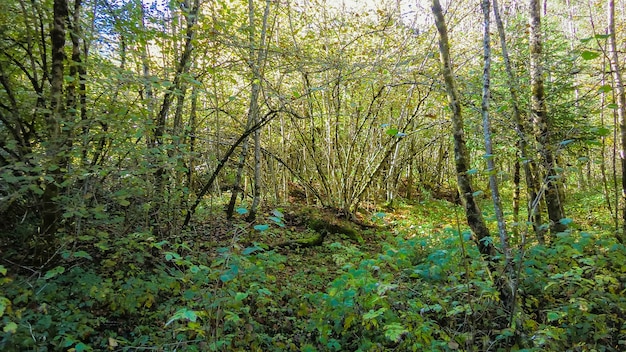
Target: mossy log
(322, 227)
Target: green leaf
(241, 211)
(4, 303)
(589, 55)
(3, 270)
(81, 347)
(123, 202)
(230, 274)
(612, 106)
(566, 221)
(183, 313)
(277, 214)
(250, 250)
(394, 331)
(566, 142)
(171, 255)
(602, 36)
(392, 132)
(472, 171)
(605, 89)
(82, 254)
(373, 314)
(54, 272)
(10, 328)
(552, 316)
(601, 131)
(277, 220)
(262, 227)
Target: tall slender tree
(539, 116)
(461, 156)
(620, 100)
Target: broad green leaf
(4, 303)
(10, 328)
(82, 254)
(589, 55)
(602, 36)
(552, 316)
(250, 250)
(54, 272)
(262, 227)
(566, 142)
(394, 331)
(277, 213)
(183, 313)
(277, 220)
(392, 132)
(612, 106)
(472, 171)
(601, 131)
(240, 296)
(171, 255)
(3, 270)
(230, 273)
(566, 221)
(373, 314)
(605, 89)
(241, 211)
(80, 347)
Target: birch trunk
(620, 97)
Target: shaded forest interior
(261, 175)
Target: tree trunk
(620, 97)
(461, 155)
(532, 184)
(491, 167)
(541, 123)
(255, 59)
(50, 209)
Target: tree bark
(540, 120)
(461, 155)
(50, 212)
(255, 59)
(620, 97)
(491, 167)
(532, 184)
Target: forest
(312, 175)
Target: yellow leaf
(113, 343)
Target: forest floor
(406, 277)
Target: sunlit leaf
(394, 331)
(589, 55)
(10, 328)
(392, 131)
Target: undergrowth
(414, 284)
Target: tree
(540, 120)
(461, 155)
(620, 100)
